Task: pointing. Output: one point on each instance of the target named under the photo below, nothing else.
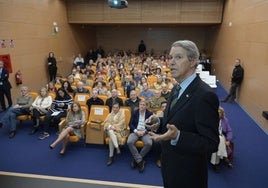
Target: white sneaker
(43, 136)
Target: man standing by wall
(237, 78)
(5, 87)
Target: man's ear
(194, 63)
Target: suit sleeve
(206, 121)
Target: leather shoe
(217, 168)
(110, 161)
(133, 163)
(158, 163)
(12, 134)
(141, 166)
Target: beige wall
(29, 24)
(247, 39)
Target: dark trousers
(5, 92)
(49, 118)
(232, 93)
(52, 73)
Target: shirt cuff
(173, 142)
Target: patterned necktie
(175, 96)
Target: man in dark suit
(133, 101)
(80, 88)
(114, 98)
(190, 124)
(94, 100)
(5, 87)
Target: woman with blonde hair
(114, 124)
(40, 107)
(74, 120)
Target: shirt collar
(187, 82)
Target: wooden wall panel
(146, 11)
(112, 38)
(29, 24)
(246, 38)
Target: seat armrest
(61, 124)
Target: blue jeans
(10, 117)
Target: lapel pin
(187, 95)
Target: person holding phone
(139, 131)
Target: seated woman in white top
(74, 120)
(40, 107)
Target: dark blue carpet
(27, 154)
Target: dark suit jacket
(196, 116)
(5, 84)
(109, 102)
(135, 119)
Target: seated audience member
(102, 90)
(84, 80)
(70, 79)
(76, 74)
(74, 120)
(158, 71)
(158, 84)
(114, 124)
(94, 100)
(141, 82)
(80, 71)
(224, 150)
(133, 101)
(165, 92)
(113, 75)
(40, 107)
(112, 85)
(79, 61)
(67, 87)
(89, 72)
(139, 131)
(51, 87)
(155, 101)
(80, 88)
(162, 109)
(128, 85)
(58, 79)
(147, 72)
(114, 98)
(146, 93)
(21, 107)
(58, 110)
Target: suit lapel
(186, 95)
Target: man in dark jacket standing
(5, 87)
(189, 128)
(237, 78)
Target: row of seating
(93, 129)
